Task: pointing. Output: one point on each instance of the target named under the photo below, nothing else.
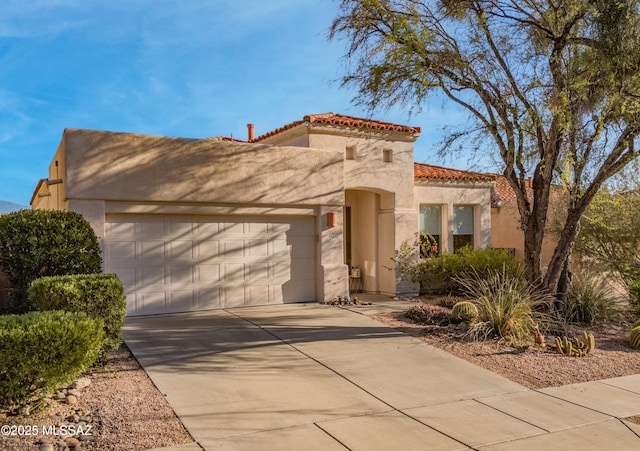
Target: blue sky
(187, 68)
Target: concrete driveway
(309, 376)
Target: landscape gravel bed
(123, 411)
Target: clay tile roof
(502, 192)
(429, 171)
(345, 121)
(225, 138)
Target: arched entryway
(370, 238)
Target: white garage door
(171, 263)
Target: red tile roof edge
(433, 172)
(342, 120)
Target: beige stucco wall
(380, 193)
(126, 167)
(507, 233)
(105, 172)
(449, 194)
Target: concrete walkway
(314, 377)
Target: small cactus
(634, 338)
(538, 337)
(576, 347)
(464, 311)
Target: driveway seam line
(316, 361)
(349, 381)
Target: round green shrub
(38, 243)
(41, 351)
(97, 295)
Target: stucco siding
(129, 167)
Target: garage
(180, 263)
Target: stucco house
(192, 224)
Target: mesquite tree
(553, 85)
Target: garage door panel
(121, 251)
(257, 272)
(151, 302)
(150, 276)
(231, 249)
(209, 298)
(180, 250)
(182, 263)
(233, 296)
(180, 226)
(232, 272)
(181, 275)
(152, 251)
(207, 274)
(151, 226)
(208, 250)
(257, 248)
(181, 299)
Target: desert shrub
(40, 351)
(634, 295)
(39, 243)
(509, 308)
(450, 300)
(97, 295)
(589, 301)
(442, 273)
(429, 314)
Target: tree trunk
(552, 279)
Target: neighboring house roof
(35, 191)
(429, 171)
(502, 191)
(225, 138)
(342, 120)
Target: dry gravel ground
(534, 367)
(127, 412)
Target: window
(431, 225)
(350, 153)
(462, 227)
(387, 155)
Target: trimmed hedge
(39, 243)
(40, 351)
(97, 295)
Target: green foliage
(441, 273)
(40, 351)
(634, 338)
(589, 301)
(38, 243)
(634, 295)
(97, 295)
(464, 311)
(428, 314)
(509, 307)
(609, 234)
